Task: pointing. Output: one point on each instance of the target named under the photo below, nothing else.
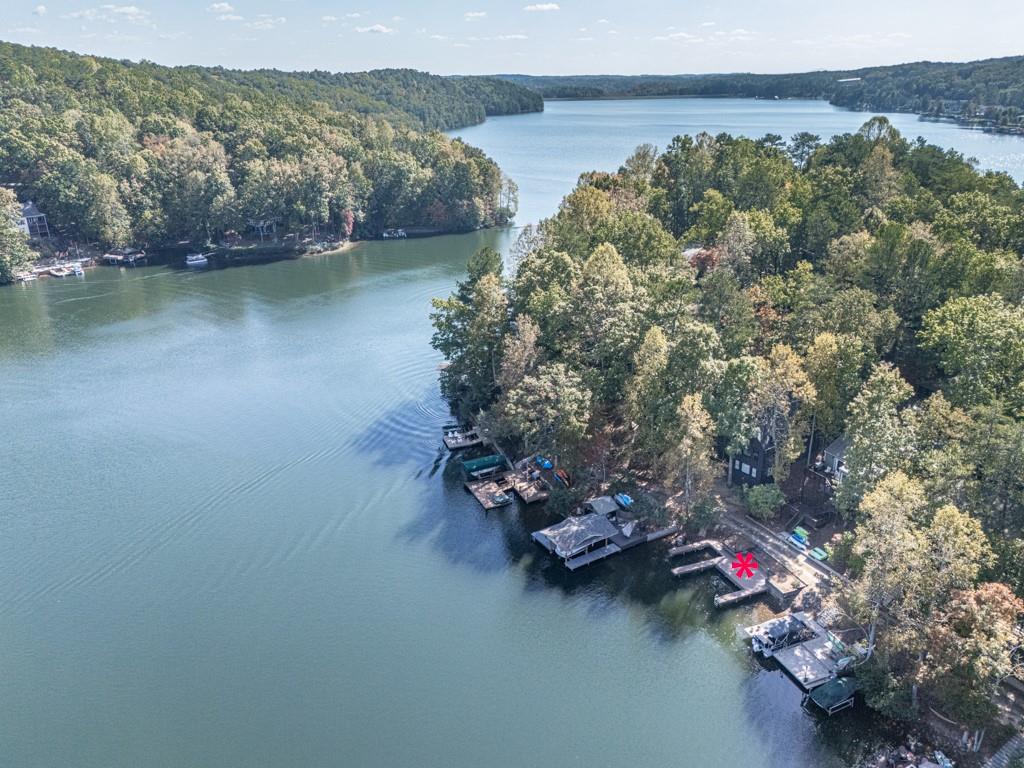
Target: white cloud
(511, 37)
(474, 15)
(438, 37)
(229, 17)
(266, 21)
(329, 19)
(23, 31)
(542, 7)
(112, 14)
(603, 21)
(584, 39)
(40, 10)
(376, 29)
(353, 15)
(398, 18)
(460, 45)
(220, 8)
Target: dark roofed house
(33, 221)
(756, 464)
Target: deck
(493, 492)
(527, 488)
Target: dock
(528, 488)
(457, 437)
(492, 492)
(722, 562)
(699, 567)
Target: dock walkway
(493, 492)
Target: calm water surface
(229, 535)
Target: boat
(196, 260)
(26, 277)
(76, 268)
(60, 271)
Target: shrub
(764, 501)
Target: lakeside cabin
(33, 221)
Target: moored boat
(196, 260)
(60, 271)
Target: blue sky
(567, 37)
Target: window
(736, 463)
(745, 469)
(753, 471)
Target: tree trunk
(729, 480)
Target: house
(834, 460)
(33, 221)
(755, 464)
(264, 227)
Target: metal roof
(574, 534)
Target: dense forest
(117, 153)
(989, 91)
(729, 289)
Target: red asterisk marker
(745, 565)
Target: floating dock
(457, 437)
(492, 492)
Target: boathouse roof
(602, 505)
(574, 534)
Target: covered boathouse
(580, 540)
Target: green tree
(979, 344)
(879, 439)
(550, 409)
(15, 254)
(687, 465)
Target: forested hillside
(870, 287)
(991, 90)
(116, 152)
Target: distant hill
(989, 91)
(119, 152)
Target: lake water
(229, 535)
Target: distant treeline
(116, 152)
(991, 89)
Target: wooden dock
(699, 567)
(745, 588)
(594, 555)
(527, 488)
(492, 492)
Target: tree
(879, 440)
(834, 363)
(733, 403)
(15, 255)
(688, 465)
(764, 501)
(520, 354)
(470, 337)
(782, 401)
(646, 395)
(979, 344)
(802, 146)
(550, 409)
(970, 651)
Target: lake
(229, 535)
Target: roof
(602, 505)
(30, 211)
(838, 447)
(834, 692)
(574, 534)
